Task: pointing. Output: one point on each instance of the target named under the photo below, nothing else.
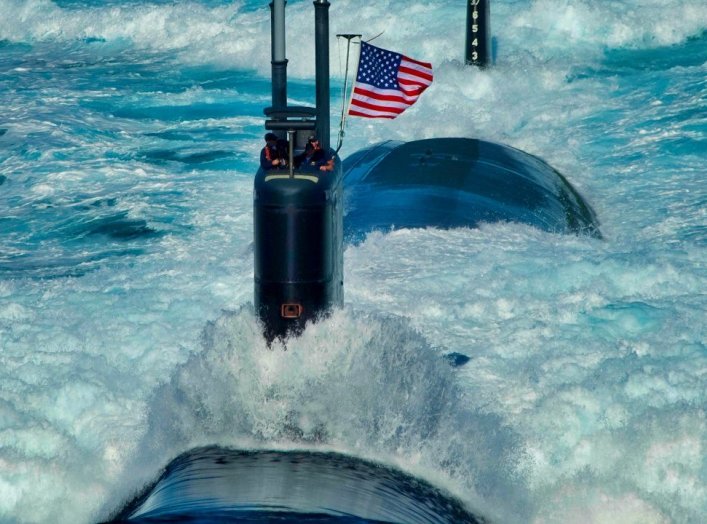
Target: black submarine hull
(298, 230)
(458, 182)
(214, 484)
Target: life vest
(268, 154)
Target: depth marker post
(478, 33)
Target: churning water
(537, 377)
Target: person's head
(270, 137)
(313, 141)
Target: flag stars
(379, 67)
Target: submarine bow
(458, 182)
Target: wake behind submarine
(299, 222)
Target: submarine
(302, 217)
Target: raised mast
(279, 60)
(321, 31)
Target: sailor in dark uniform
(313, 157)
(270, 158)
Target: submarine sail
(298, 209)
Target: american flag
(387, 83)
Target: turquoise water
(128, 141)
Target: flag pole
(348, 37)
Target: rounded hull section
(458, 182)
(217, 484)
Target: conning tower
(298, 211)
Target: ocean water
(129, 136)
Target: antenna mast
(279, 60)
(321, 42)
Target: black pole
(478, 33)
(279, 61)
(321, 22)
(349, 37)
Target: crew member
(269, 157)
(313, 157)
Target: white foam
(234, 34)
(587, 357)
(324, 394)
(653, 23)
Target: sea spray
(356, 383)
